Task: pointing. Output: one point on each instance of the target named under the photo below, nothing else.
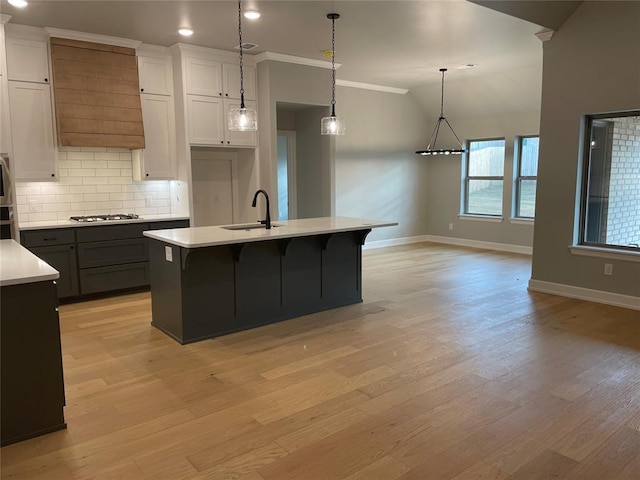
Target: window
(484, 177)
(610, 215)
(527, 176)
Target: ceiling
(400, 43)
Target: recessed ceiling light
(185, 32)
(18, 3)
(466, 66)
(252, 14)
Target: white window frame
(519, 177)
(467, 178)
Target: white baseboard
(599, 296)
(461, 242)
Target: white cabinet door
(5, 127)
(158, 159)
(233, 138)
(204, 77)
(231, 81)
(155, 75)
(27, 60)
(34, 154)
(205, 120)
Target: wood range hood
(97, 95)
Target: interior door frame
(292, 184)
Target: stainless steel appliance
(105, 217)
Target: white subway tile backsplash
(83, 189)
(109, 156)
(56, 207)
(69, 164)
(77, 155)
(108, 188)
(96, 197)
(91, 181)
(120, 163)
(95, 164)
(95, 181)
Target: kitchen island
(209, 281)
(32, 384)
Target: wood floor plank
(450, 368)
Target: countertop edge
(20, 266)
(299, 232)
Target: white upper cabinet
(155, 75)
(34, 155)
(27, 60)
(231, 81)
(157, 161)
(203, 77)
(205, 117)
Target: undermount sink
(248, 226)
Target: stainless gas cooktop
(105, 217)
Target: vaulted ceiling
(400, 43)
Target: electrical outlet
(34, 206)
(451, 226)
(148, 201)
(608, 269)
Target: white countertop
(71, 223)
(218, 235)
(18, 265)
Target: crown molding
(281, 57)
(4, 18)
(371, 86)
(92, 37)
(545, 35)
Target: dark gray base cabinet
(32, 390)
(206, 292)
(96, 259)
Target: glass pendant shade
(332, 125)
(242, 119)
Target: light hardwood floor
(450, 369)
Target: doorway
(287, 185)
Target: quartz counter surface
(197, 237)
(18, 265)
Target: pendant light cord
(333, 66)
(241, 54)
(442, 94)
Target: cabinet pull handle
(226, 94)
(50, 239)
(142, 89)
(71, 247)
(221, 141)
(146, 174)
(220, 93)
(46, 80)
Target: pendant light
(431, 147)
(242, 119)
(333, 125)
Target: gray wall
(444, 184)
(378, 175)
(591, 65)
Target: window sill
(522, 221)
(481, 218)
(598, 252)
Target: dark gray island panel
(200, 293)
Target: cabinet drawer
(114, 232)
(117, 277)
(169, 225)
(42, 238)
(115, 252)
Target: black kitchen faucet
(267, 221)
